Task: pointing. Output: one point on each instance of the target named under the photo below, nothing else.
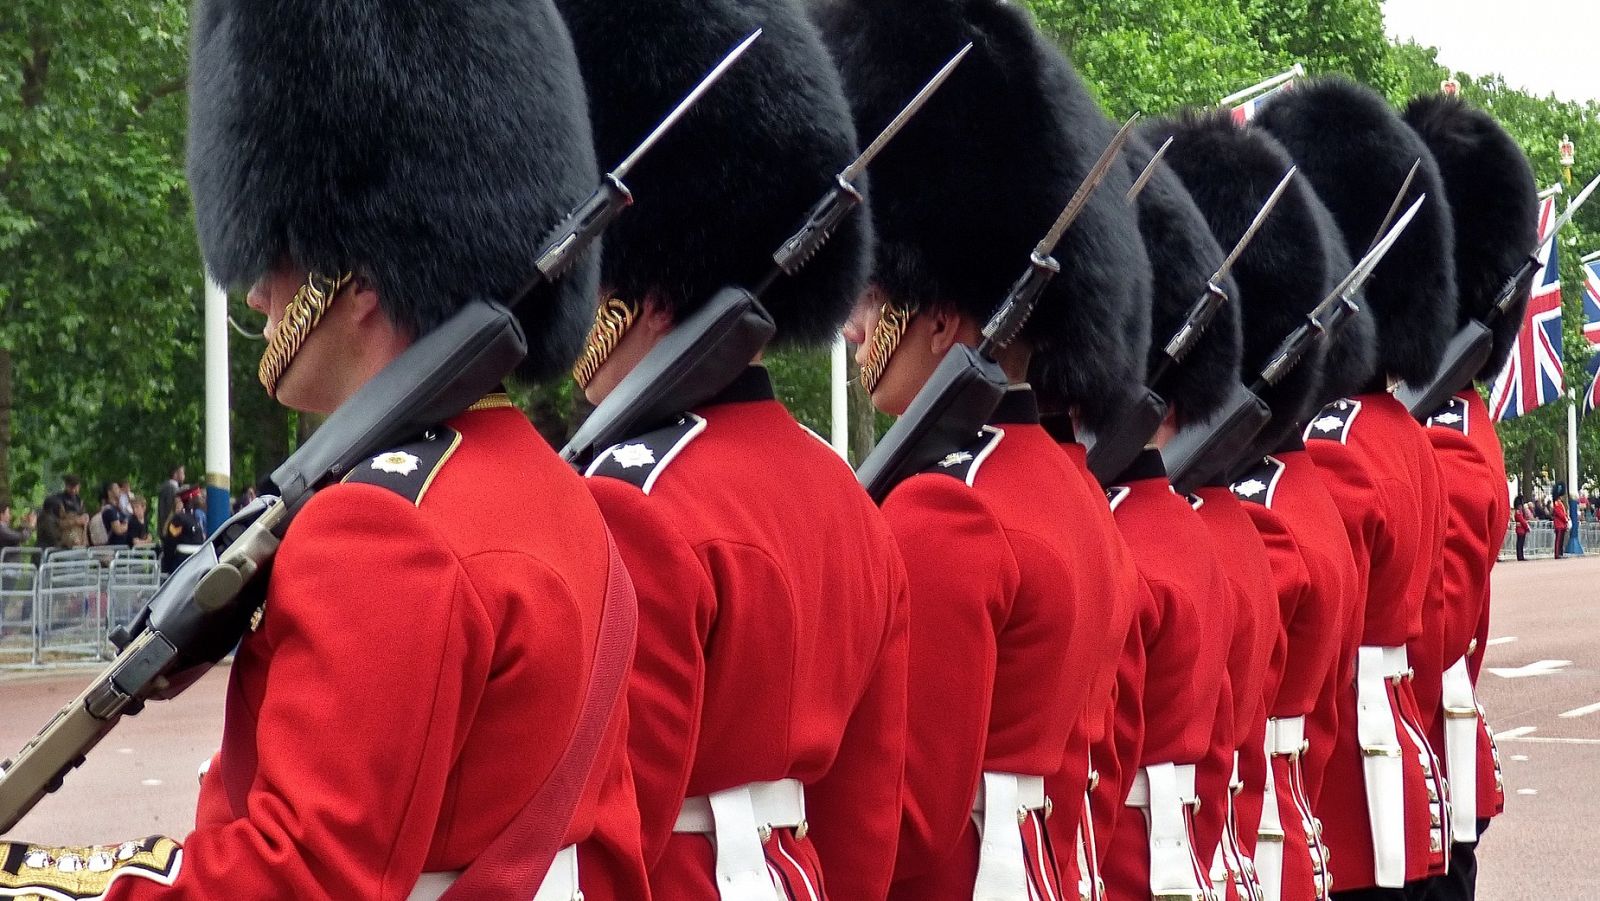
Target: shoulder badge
(963, 463)
(1334, 422)
(1260, 483)
(409, 470)
(640, 461)
(1116, 494)
(1452, 416)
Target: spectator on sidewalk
(109, 525)
(139, 523)
(167, 496)
(1523, 509)
(15, 534)
(1561, 519)
(181, 534)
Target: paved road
(142, 778)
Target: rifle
(1209, 449)
(706, 350)
(200, 613)
(968, 383)
(1470, 346)
(1111, 454)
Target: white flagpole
(218, 442)
(1298, 71)
(838, 381)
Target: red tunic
(1378, 468)
(1008, 617)
(1174, 678)
(1472, 466)
(1315, 578)
(772, 639)
(417, 672)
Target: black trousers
(1461, 883)
(1522, 542)
(1561, 543)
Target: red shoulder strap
(515, 863)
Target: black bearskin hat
(736, 177)
(1356, 152)
(977, 178)
(1493, 198)
(429, 145)
(1183, 255)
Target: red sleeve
(1467, 482)
(666, 690)
(960, 573)
(1184, 673)
(856, 807)
(379, 650)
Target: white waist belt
(1003, 801)
(560, 883)
(740, 820)
(1286, 736)
(1461, 750)
(1164, 791)
(1381, 763)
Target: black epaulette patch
(640, 461)
(1116, 494)
(1259, 484)
(1334, 422)
(1452, 416)
(409, 470)
(963, 464)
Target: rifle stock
(1210, 449)
(1111, 452)
(1463, 359)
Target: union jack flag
(1591, 330)
(1533, 375)
(1246, 111)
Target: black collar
(754, 384)
(1059, 426)
(1018, 405)
(1147, 465)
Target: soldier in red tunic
(1228, 170)
(1009, 598)
(414, 675)
(1379, 467)
(768, 699)
(1491, 190)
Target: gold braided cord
(299, 318)
(611, 322)
(893, 320)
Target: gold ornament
(299, 318)
(893, 320)
(611, 322)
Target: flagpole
(218, 461)
(839, 394)
(1298, 71)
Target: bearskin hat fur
(1356, 152)
(429, 145)
(973, 183)
(737, 175)
(1183, 256)
(1493, 200)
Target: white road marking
(1505, 639)
(1537, 668)
(1519, 757)
(1527, 791)
(124, 750)
(1550, 740)
(1581, 711)
(151, 782)
(1513, 734)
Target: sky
(1538, 45)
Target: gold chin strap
(299, 318)
(611, 322)
(893, 320)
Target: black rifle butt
(1111, 453)
(1209, 449)
(1463, 359)
(698, 358)
(944, 417)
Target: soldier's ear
(945, 327)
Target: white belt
(1461, 750)
(1269, 835)
(1003, 802)
(1381, 763)
(1286, 736)
(560, 883)
(740, 820)
(1231, 859)
(1164, 791)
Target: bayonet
(585, 223)
(844, 196)
(1149, 171)
(1394, 208)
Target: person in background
(1521, 516)
(125, 495)
(139, 522)
(182, 532)
(15, 534)
(1561, 519)
(167, 495)
(109, 525)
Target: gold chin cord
(299, 318)
(892, 322)
(611, 322)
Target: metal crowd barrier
(17, 585)
(134, 575)
(33, 555)
(69, 608)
